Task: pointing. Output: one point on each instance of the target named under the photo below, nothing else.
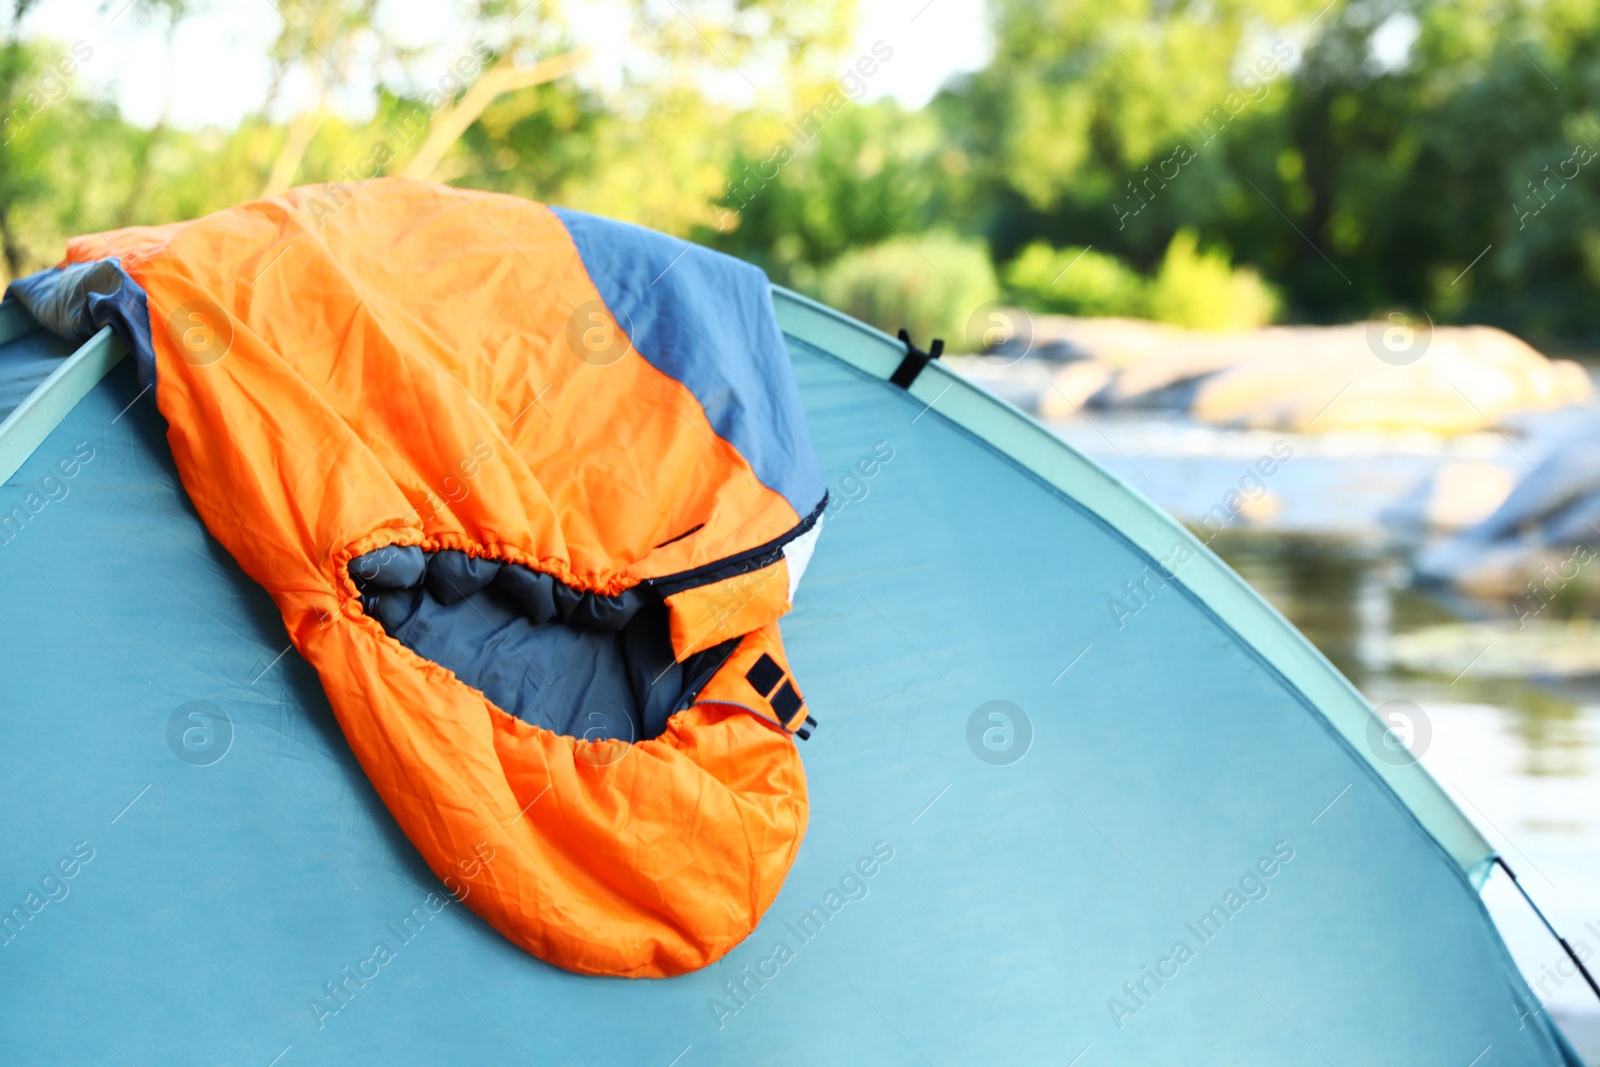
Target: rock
(1544, 533)
(1306, 379)
(1072, 387)
(1063, 338)
(1324, 379)
(1459, 495)
(1023, 382)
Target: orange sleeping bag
(596, 415)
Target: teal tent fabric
(952, 903)
(28, 361)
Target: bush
(1202, 290)
(1075, 281)
(1198, 289)
(930, 284)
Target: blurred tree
(1362, 156)
(318, 39)
(169, 13)
(799, 193)
(65, 159)
(504, 76)
(1461, 179)
(657, 140)
(1092, 119)
(17, 65)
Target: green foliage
(1203, 291)
(654, 149)
(930, 285)
(1350, 184)
(1076, 281)
(1192, 288)
(1462, 177)
(806, 193)
(61, 153)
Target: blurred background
(1318, 277)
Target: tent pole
(1565, 944)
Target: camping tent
(1078, 797)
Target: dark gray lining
(570, 661)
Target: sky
(222, 71)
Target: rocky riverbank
(1464, 446)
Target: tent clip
(1563, 942)
(915, 360)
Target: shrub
(1075, 281)
(1202, 290)
(930, 284)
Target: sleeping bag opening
(573, 662)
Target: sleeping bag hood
(531, 489)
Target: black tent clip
(915, 360)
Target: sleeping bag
(531, 489)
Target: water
(1519, 753)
